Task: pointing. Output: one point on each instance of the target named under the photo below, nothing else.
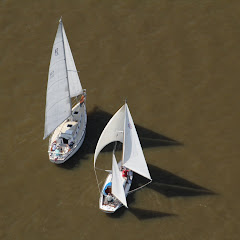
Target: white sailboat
(120, 128)
(65, 113)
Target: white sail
(133, 157)
(58, 104)
(112, 132)
(117, 183)
(73, 78)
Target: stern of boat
(113, 206)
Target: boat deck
(69, 134)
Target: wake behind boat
(65, 124)
(117, 185)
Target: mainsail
(63, 83)
(117, 185)
(133, 157)
(112, 132)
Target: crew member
(109, 197)
(125, 173)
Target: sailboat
(117, 185)
(65, 113)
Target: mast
(124, 133)
(60, 21)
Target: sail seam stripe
(57, 42)
(55, 104)
(61, 79)
(57, 62)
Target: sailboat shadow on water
(172, 185)
(97, 120)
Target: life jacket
(82, 99)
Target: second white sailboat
(117, 185)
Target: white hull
(81, 120)
(111, 207)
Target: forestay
(58, 104)
(112, 132)
(133, 157)
(117, 184)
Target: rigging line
(139, 187)
(72, 71)
(115, 146)
(99, 169)
(97, 181)
(100, 182)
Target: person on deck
(109, 197)
(82, 100)
(125, 173)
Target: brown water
(177, 63)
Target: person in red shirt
(125, 173)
